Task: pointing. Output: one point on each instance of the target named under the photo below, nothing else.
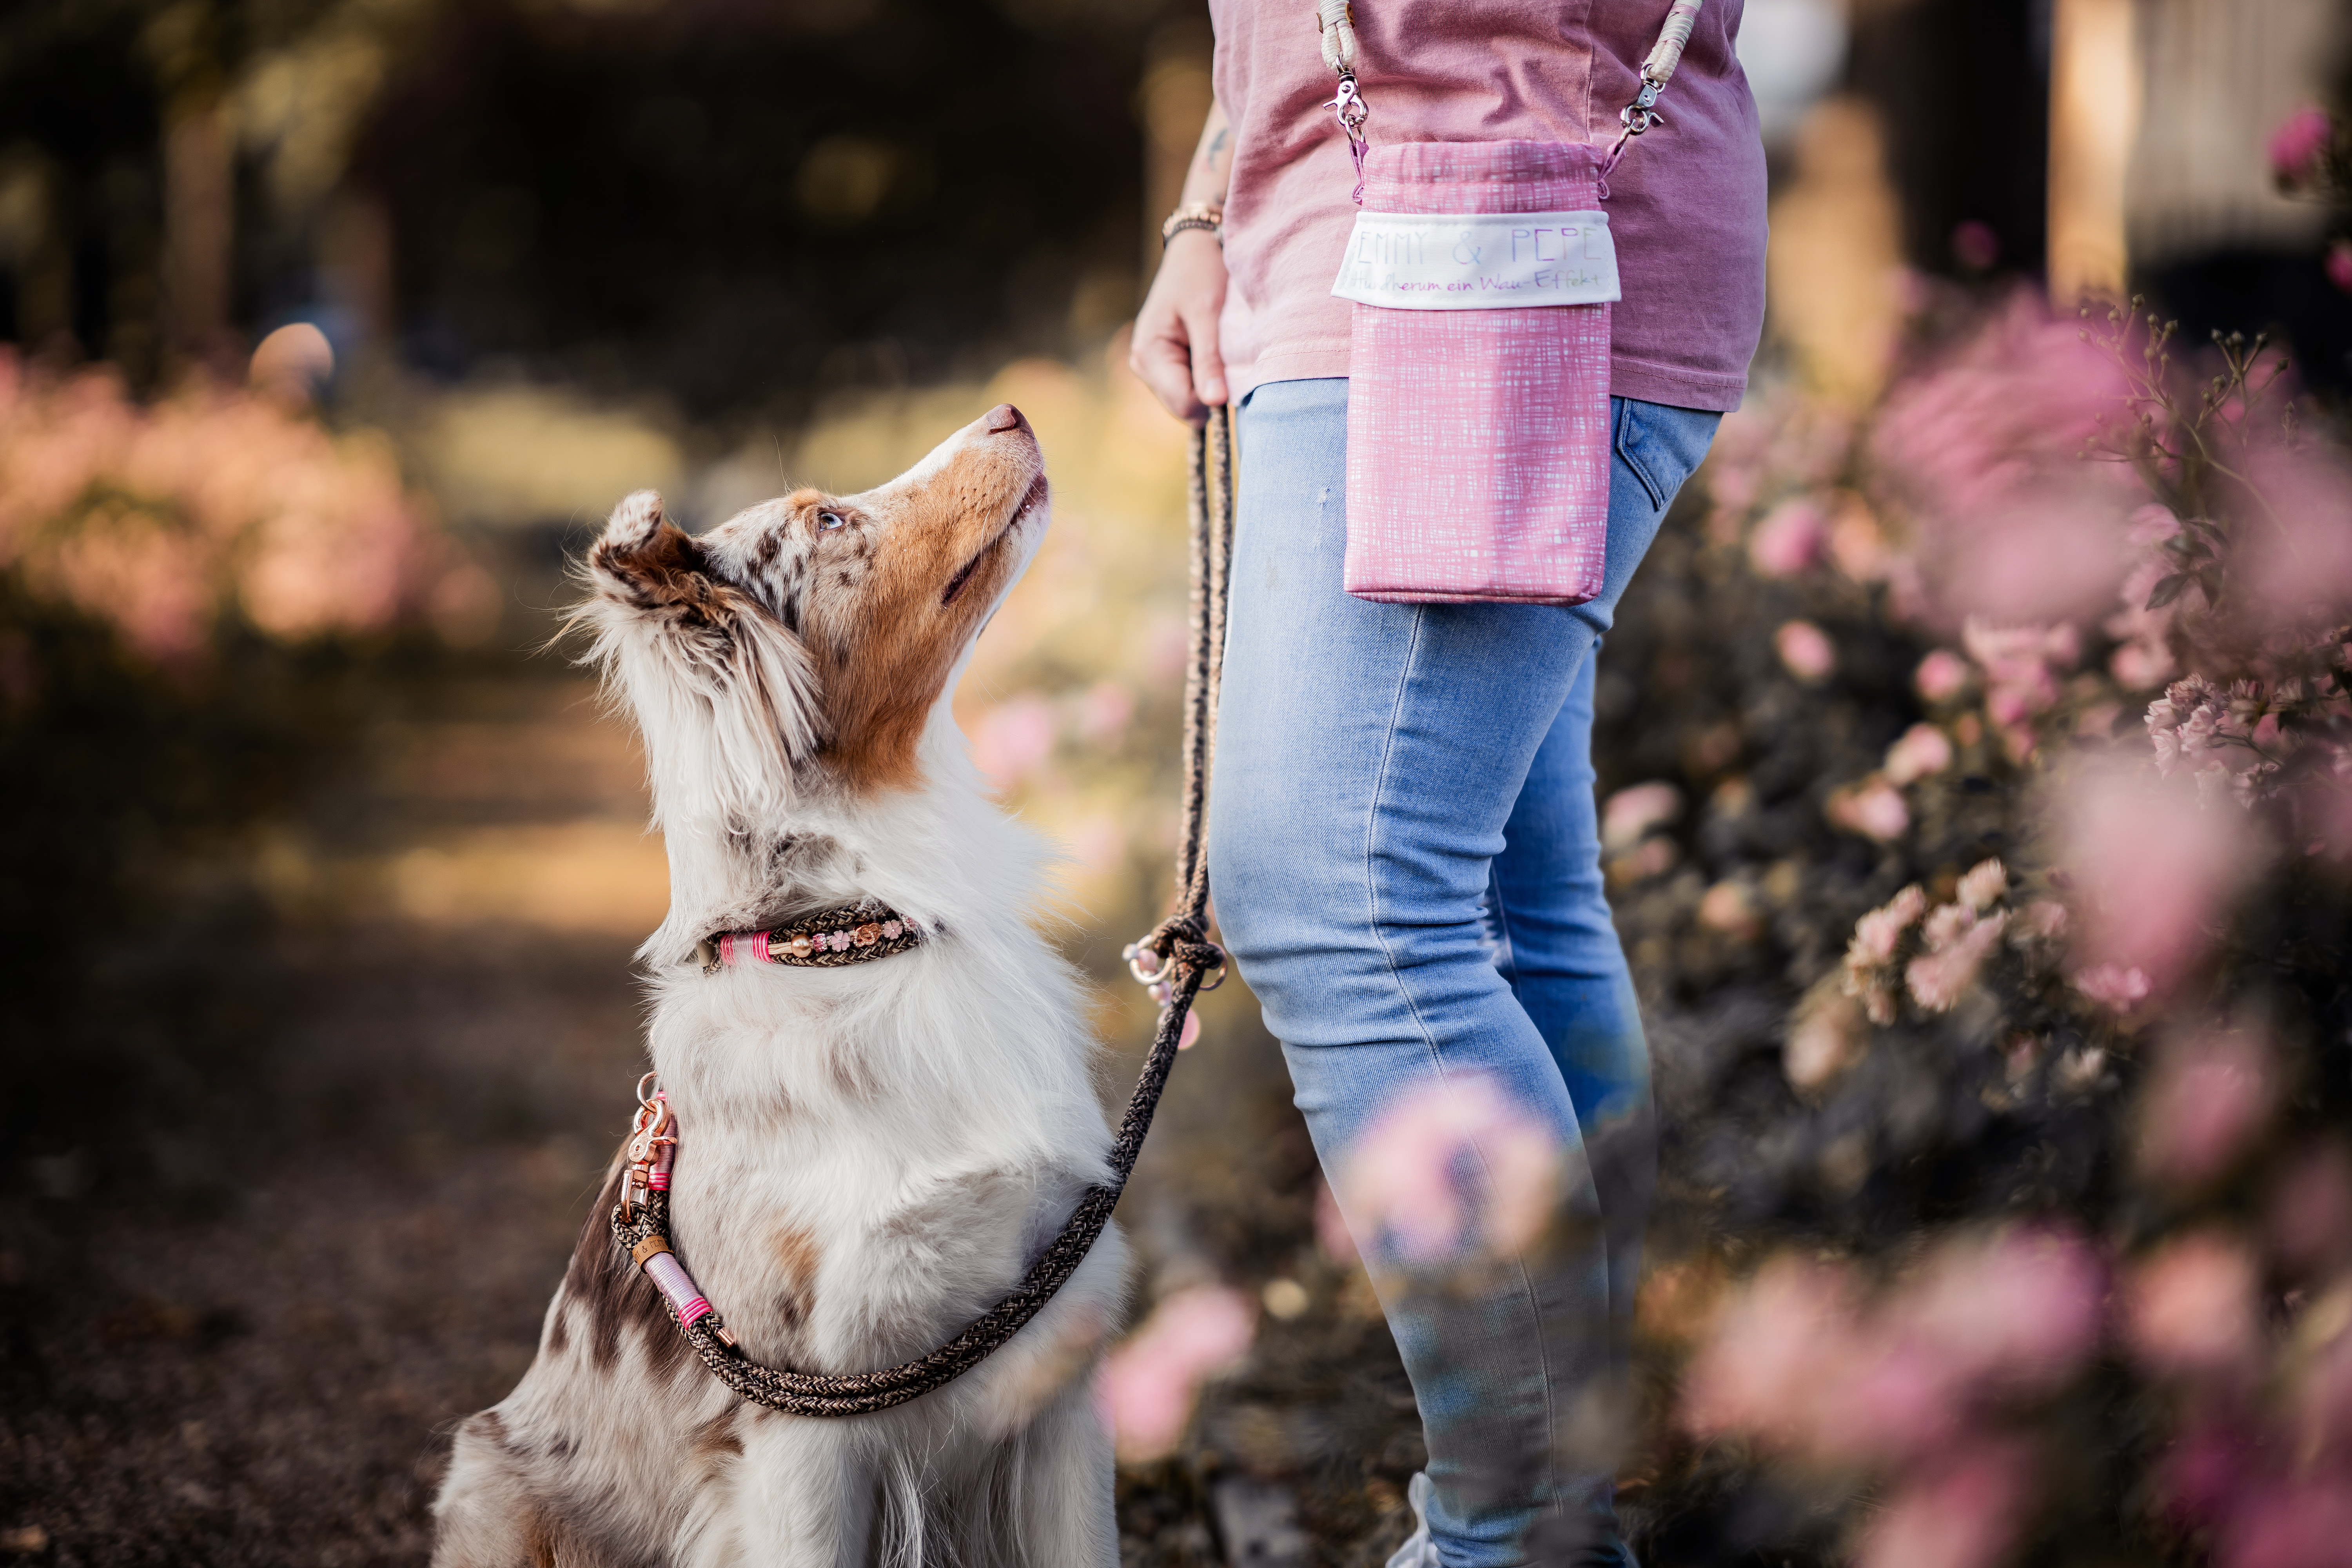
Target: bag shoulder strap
(1335, 21)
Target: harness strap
(1183, 961)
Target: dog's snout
(1003, 417)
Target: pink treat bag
(1478, 439)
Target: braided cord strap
(1187, 958)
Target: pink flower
(1877, 932)
(1788, 540)
(2156, 870)
(2191, 1309)
(1331, 1232)
(1149, 1382)
(1939, 977)
(1943, 675)
(1923, 750)
(1873, 808)
(1450, 1164)
(1806, 649)
(2310, 1222)
(2020, 1308)
(1984, 884)
(2297, 145)
(2338, 265)
(1985, 449)
(2112, 987)
(2209, 1095)
(1775, 1347)
(1729, 907)
(1013, 740)
(1633, 811)
(1962, 1516)
(2305, 1524)
(1104, 712)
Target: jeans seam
(1371, 849)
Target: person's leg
(1370, 758)
(1556, 945)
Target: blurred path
(250, 1358)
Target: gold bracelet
(1193, 215)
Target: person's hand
(1174, 351)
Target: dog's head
(804, 643)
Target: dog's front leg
(1064, 1502)
(804, 1497)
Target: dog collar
(852, 933)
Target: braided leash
(1176, 959)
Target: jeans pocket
(1663, 447)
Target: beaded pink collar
(854, 933)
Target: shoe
(1418, 1550)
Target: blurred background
(2006, 1215)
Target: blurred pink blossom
(2338, 264)
(2211, 1093)
(2113, 986)
(1957, 949)
(1790, 539)
(155, 517)
(1877, 932)
(1104, 712)
(2297, 145)
(1632, 812)
(1797, 1361)
(1873, 808)
(2155, 870)
(1331, 1232)
(2302, 1524)
(2296, 560)
(1858, 542)
(1149, 1381)
(1962, 1515)
(1942, 676)
(2191, 1308)
(1983, 885)
(1013, 740)
(1983, 447)
(1451, 1162)
(1806, 649)
(2310, 1220)
(1923, 750)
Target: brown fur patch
(797, 1251)
(615, 1296)
(716, 1438)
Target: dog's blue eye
(828, 520)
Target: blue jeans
(1407, 863)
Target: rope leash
(1176, 959)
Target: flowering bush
(2054, 871)
(161, 519)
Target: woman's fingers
(1208, 363)
(1175, 353)
(1161, 359)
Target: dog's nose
(1003, 417)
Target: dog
(869, 1156)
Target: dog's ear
(725, 693)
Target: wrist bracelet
(1193, 215)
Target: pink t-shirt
(1687, 207)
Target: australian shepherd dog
(869, 1156)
